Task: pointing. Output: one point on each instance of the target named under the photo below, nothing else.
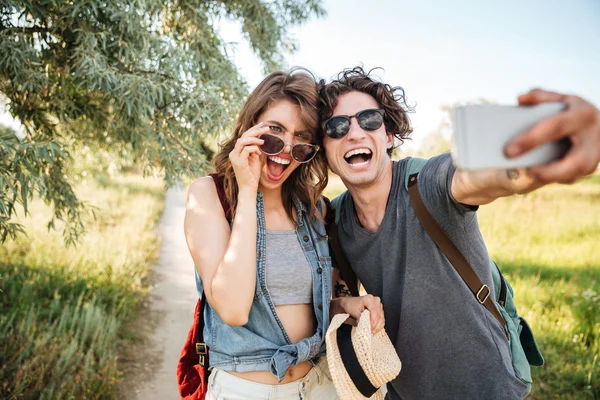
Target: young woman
(264, 264)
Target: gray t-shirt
(450, 346)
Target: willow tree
(150, 78)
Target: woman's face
(284, 119)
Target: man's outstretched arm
(580, 122)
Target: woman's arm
(225, 258)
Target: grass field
(547, 244)
(63, 310)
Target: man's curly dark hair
(391, 99)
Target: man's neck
(370, 201)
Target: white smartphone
(481, 133)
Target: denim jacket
(262, 344)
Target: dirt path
(172, 301)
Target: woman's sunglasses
(337, 127)
(301, 152)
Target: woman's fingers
(256, 130)
(245, 156)
(243, 148)
(249, 150)
(247, 141)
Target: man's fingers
(375, 322)
(378, 324)
(530, 140)
(548, 130)
(575, 118)
(536, 96)
(571, 167)
(382, 319)
(373, 304)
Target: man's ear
(390, 141)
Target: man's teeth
(356, 165)
(279, 160)
(357, 151)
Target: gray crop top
(288, 274)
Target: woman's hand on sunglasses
(245, 157)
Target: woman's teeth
(279, 160)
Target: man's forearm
(482, 187)
(340, 293)
(336, 307)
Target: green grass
(62, 310)
(547, 244)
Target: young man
(451, 347)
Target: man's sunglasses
(337, 127)
(301, 152)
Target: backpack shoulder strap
(329, 212)
(219, 185)
(415, 165)
(201, 347)
(336, 205)
(342, 262)
(445, 244)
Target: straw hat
(360, 362)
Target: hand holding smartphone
(481, 133)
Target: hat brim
(344, 385)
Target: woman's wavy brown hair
(309, 179)
(391, 99)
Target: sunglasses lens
(337, 127)
(272, 145)
(370, 120)
(303, 152)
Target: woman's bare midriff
(299, 323)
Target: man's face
(360, 157)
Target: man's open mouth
(358, 157)
(276, 166)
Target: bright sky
(442, 52)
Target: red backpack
(192, 368)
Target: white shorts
(316, 385)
